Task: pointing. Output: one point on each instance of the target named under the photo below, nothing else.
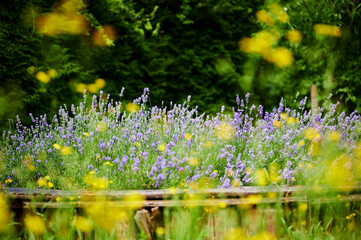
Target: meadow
(109, 145)
(247, 156)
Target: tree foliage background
(176, 48)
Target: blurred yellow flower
(100, 83)
(66, 150)
(188, 136)
(52, 73)
(291, 120)
(47, 178)
(83, 224)
(222, 204)
(224, 131)
(312, 134)
(339, 174)
(283, 17)
(102, 127)
(280, 14)
(56, 146)
(56, 23)
(208, 144)
(277, 123)
(254, 199)
(131, 107)
(193, 161)
(41, 182)
(263, 236)
(283, 116)
(50, 185)
(265, 17)
(161, 147)
(34, 224)
(104, 36)
(280, 56)
(261, 43)
(80, 87)
(328, 30)
(160, 231)
(294, 36)
(302, 207)
(92, 88)
(42, 77)
(236, 234)
(261, 177)
(274, 176)
(4, 213)
(301, 143)
(172, 190)
(135, 200)
(334, 136)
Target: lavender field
(105, 145)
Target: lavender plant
(106, 145)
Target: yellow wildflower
(50, 185)
(57, 146)
(312, 134)
(291, 120)
(274, 177)
(283, 116)
(280, 56)
(277, 11)
(102, 127)
(193, 161)
(301, 143)
(92, 88)
(328, 30)
(47, 178)
(83, 224)
(66, 150)
(265, 17)
(4, 213)
(334, 136)
(131, 107)
(80, 87)
(222, 204)
(224, 131)
(208, 144)
(277, 123)
(42, 77)
(172, 190)
(188, 136)
(236, 234)
(34, 224)
(52, 73)
(100, 83)
(86, 134)
(261, 177)
(302, 207)
(41, 182)
(160, 231)
(254, 199)
(161, 147)
(135, 200)
(294, 36)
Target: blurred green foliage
(176, 48)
